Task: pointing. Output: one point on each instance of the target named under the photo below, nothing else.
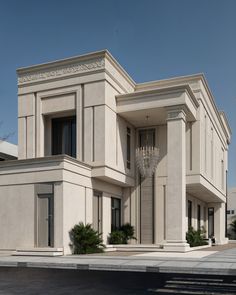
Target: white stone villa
(80, 122)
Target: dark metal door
(45, 220)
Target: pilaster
(176, 180)
(219, 222)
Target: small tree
(128, 231)
(85, 240)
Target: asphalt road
(58, 281)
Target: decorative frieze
(66, 70)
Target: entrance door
(97, 212)
(45, 220)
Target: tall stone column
(219, 222)
(176, 180)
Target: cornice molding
(45, 160)
(169, 82)
(81, 64)
(164, 90)
(61, 71)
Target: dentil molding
(66, 70)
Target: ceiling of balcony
(156, 116)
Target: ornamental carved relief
(62, 71)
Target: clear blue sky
(151, 39)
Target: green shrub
(196, 237)
(128, 231)
(85, 240)
(122, 235)
(116, 237)
(233, 226)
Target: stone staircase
(197, 285)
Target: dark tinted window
(64, 136)
(198, 217)
(115, 213)
(128, 147)
(189, 214)
(211, 222)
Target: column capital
(176, 113)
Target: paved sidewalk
(196, 262)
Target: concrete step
(134, 248)
(199, 286)
(47, 252)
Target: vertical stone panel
(146, 210)
(176, 180)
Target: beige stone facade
(109, 111)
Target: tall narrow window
(191, 145)
(222, 174)
(205, 215)
(164, 196)
(212, 153)
(205, 150)
(210, 222)
(189, 214)
(64, 136)
(198, 217)
(115, 213)
(128, 147)
(222, 170)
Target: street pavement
(195, 262)
(35, 281)
(198, 272)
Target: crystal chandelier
(147, 157)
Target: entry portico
(174, 105)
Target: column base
(222, 241)
(176, 246)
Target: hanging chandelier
(147, 157)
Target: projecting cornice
(166, 90)
(173, 96)
(60, 69)
(82, 64)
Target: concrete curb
(122, 267)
